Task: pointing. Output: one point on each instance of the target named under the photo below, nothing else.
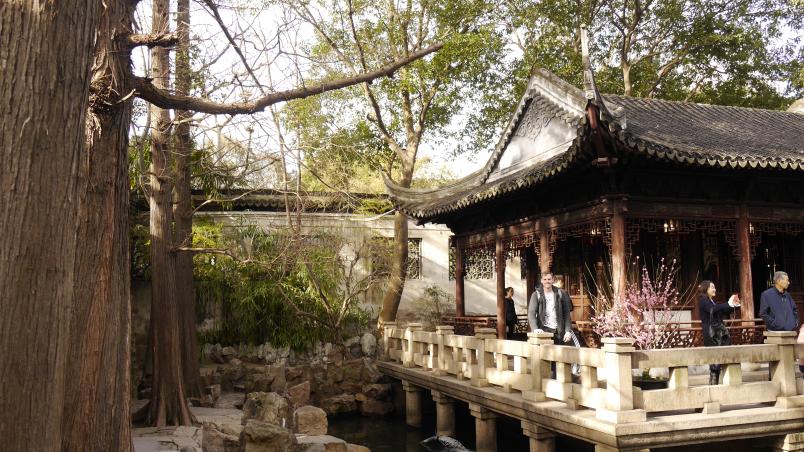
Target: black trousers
(509, 330)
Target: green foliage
(374, 206)
(712, 51)
(264, 292)
(433, 304)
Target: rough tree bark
(185, 290)
(46, 55)
(168, 403)
(399, 268)
(99, 357)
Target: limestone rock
(319, 443)
(369, 344)
(230, 400)
(168, 438)
(371, 408)
(228, 353)
(370, 372)
(352, 370)
(267, 407)
(258, 436)
(356, 448)
(214, 353)
(378, 391)
(340, 404)
(218, 441)
(278, 380)
(299, 395)
(310, 420)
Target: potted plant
(644, 312)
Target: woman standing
(712, 314)
(510, 313)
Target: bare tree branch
(151, 40)
(164, 99)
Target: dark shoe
(714, 377)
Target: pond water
(391, 434)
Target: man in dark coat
(549, 311)
(776, 306)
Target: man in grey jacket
(549, 311)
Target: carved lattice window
(480, 263)
(451, 270)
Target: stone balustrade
(605, 383)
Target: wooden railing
(680, 334)
(605, 382)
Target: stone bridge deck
(600, 405)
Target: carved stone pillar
(445, 414)
(485, 428)
(413, 404)
(541, 439)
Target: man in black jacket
(776, 306)
(549, 311)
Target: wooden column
(499, 261)
(744, 250)
(544, 251)
(531, 273)
(460, 309)
(618, 258)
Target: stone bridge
(600, 405)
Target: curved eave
(546, 90)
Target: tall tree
(44, 89)
(175, 367)
(168, 404)
(424, 99)
(732, 52)
(183, 213)
(97, 410)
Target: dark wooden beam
(499, 257)
(618, 257)
(744, 248)
(531, 273)
(460, 306)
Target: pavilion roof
(683, 132)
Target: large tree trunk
(185, 290)
(399, 270)
(97, 413)
(168, 404)
(46, 56)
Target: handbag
(718, 333)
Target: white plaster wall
(480, 294)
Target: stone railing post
(387, 344)
(783, 371)
(484, 358)
(619, 384)
(407, 357)
(443, 359)
(538, 368)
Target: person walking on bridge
(549, 311)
